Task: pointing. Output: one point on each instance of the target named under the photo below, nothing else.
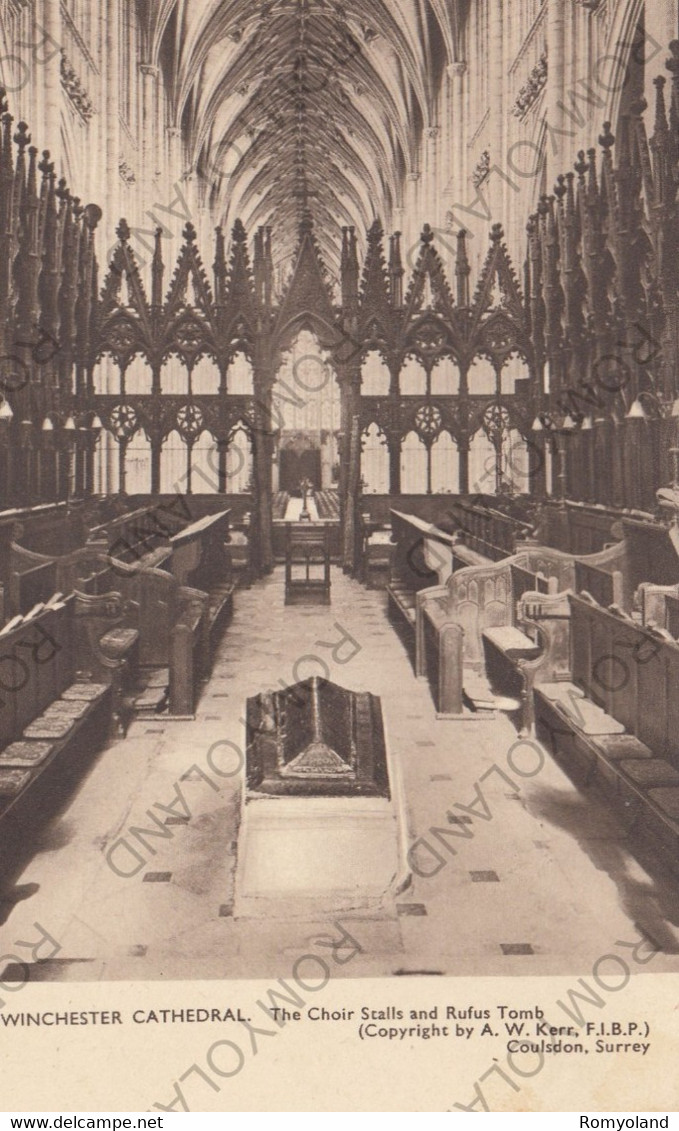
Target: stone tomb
(320, 831)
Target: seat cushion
(118, 641)
(13, 781)
(49, 726)
(512, 642)
(25, 753)
(67, 708)
(587, 718)
(615, 747)
(650, 773)
(87, 691)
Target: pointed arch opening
(413, 378)
(240, 376)
(414, 465)
(306, 415)
(374, 461)
(375, 375)
(239, 462)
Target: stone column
(455, 183)
(413, 212)
(496, 126)
(149, 128)
(431, 203)
(556, 77)
(173, 169)
(109, 14)
(47, 59)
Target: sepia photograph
(339, 517)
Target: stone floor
(542, 880)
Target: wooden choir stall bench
(53, 714)
(612, 716)
(422, 557)
(471, 642)
(177, 611)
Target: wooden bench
(134, 534)
(488, 665)
(377, 547)
(606, 586)
(509, 650)
(52, 712)
(307, 564)
(422, 557)
(161, 627)
(51, 529)
(659, 607)
(27, 574)
(482, 600)
(485, 530)
(201, 560)
(31, 573)
(32, 578)
(616, 719)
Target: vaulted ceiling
(287, 106)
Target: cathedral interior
(339, 485)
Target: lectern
(307, 564)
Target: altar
(295, 507)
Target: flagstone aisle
(544, 882)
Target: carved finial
(46, 166)
(560, 188)
(238, 234)
(22, 136)
(92, 214)
(62, 190)
(672, 63)
(123, 231)
(581, 165)
(497, 233)
(427, 235)
(189, 232)
(607, 139)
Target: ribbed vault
(288, 106)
